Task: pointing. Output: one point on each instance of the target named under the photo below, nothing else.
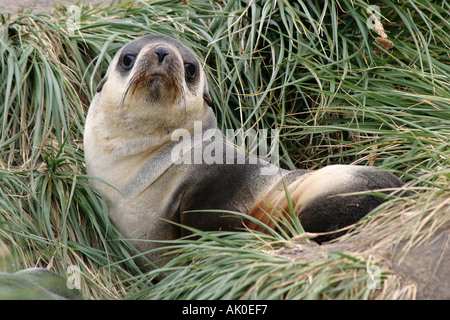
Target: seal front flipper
(216, 190)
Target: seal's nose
(161, 52)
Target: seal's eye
(128, 61)
(189, 70)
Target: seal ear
(100, 85)
(206, 94)
(207, 98)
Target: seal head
(151, 79)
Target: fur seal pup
(141, 141)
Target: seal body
(142, 146)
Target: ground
(13, 6)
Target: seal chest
(156, 88)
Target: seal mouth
(154, 77)
(155, 86)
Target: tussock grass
(313, 69)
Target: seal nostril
(161, 52)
